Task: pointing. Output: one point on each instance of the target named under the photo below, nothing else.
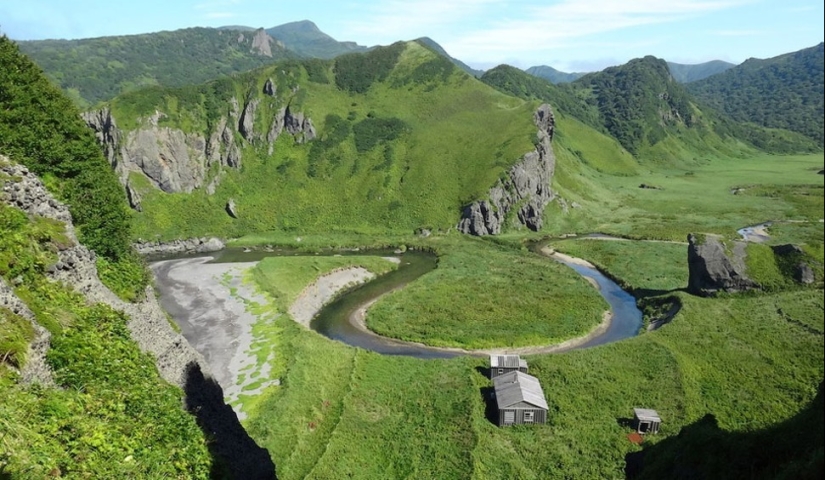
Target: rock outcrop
(231, 209)
(76, 267)
(177, 362)
(712, 270)
(527, 187)
(175, 161)
(191, 245)
(35, 369)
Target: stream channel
(335, 320)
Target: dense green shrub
(40, 128)
(356, 72)
(369, 132)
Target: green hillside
(96, 69)
(684, 73)
(110, 415)
(552, 75)
(779, 92)
(306, 39)
(657, 120)
(405, 139)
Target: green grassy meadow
(754, 362)
(695, 198)
(463, 302)
(347, 412)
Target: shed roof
(646, 414)
(515, 387)
(507, 361)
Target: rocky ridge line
(527, 187)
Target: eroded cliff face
(526, 189)
(76, 267)
(176, 161)
(177, 362)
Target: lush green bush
(371, 131)
(356, 72)
(40, 128)
(780, 92)
(99, 69)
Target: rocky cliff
(526, 189)
(177, 362)
(177, 161)
(712, 270)
(77, 269)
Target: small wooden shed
(501, 364)
(646, 420)
(519, 399)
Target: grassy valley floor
(345, 412)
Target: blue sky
(570, 35)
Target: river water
(335, 320)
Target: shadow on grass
(235, 454)
(792, 449)
(625, 422)
(641, 293)
(488, 396)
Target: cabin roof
(507, 361)
(516, 387)
(646, 414)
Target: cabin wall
(539, 416)
(496, 371)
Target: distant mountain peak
(552, 75)
(305, 38)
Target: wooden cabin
(501, 364)
(519, 399)
(646, 420)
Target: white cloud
(217, 9)
(541, 28)
(738, 33)
(407, 19)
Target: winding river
(342, 319)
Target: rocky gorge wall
(177, 362)
(176, 161)
(526, 189)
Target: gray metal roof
(646, 414)
(516, 387)
(507, 361)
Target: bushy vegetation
(563, 99)
(357, 72)
(40, 128)
(780, 92)
(113, 416)
(99, 69)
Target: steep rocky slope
(396, 139)
(526, 188)
(176, 361)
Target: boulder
(804, 274)
(712, 271)
(231, 209)
(270, 88)
(134, 197)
